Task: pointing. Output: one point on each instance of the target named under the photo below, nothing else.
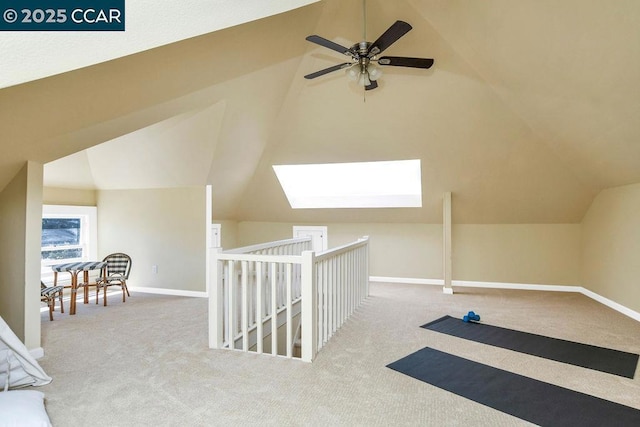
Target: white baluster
(274, 309)
(245, 308)
(231, 322)
(259, 314)
(289, 311)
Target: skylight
(389, 184)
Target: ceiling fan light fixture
(353, 74)
(374, 72)
(363, 75)
(364, 79)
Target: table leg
(74, 290)
(85, 284)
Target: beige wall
(251, 233)
(543, 254)
(162, 227)
(12, 252)
(20, 234)
(396, 250)
(68, 196)
(611, 244)
(528, 253)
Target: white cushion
(23, 408)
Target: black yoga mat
(587, 356)
(523, 397)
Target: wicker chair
(49, 294)
(116, 273)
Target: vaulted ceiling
(530, 110)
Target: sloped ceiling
(51, 118)
(33, 55)
(147, 157)
(569, 69)
(528, 112)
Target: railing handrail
(341, 249)
(291, 259)
(261, 246)
(286, 259)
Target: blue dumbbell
(471, 316)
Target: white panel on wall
(318, 233)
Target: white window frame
(88, 216)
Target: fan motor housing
(361, 48)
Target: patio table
(74, 268)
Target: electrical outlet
(154, 269)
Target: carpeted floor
(146, 362)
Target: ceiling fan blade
(401, 61)
(329, 44)
(327, 70)
(372, 85)
(393, 33)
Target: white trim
(522, 286)
(611, 304)
(406, 280)
(37, 353)
(173, 292)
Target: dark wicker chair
(49, 294)
(116, 273)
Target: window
(69, 234)
(389, 184)
(61, 238)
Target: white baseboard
(611, 304)
(521, 286)
(406, 280)
(173, 292)
(37, 352)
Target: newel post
(216, 310)
(309, 315)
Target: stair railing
(258, 289)
(342, 284)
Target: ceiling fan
(365, 55)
